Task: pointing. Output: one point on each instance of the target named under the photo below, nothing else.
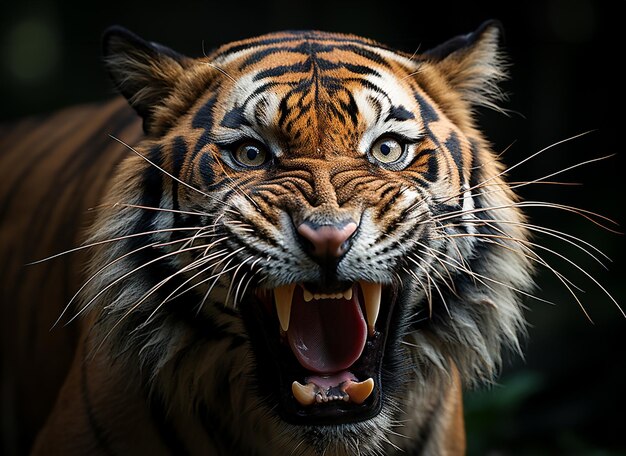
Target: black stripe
(251, 45)
(351, 108)
(206, 170)
(284, 110)
(260, 55)
(293, 36)
(204, 116)
(98, 431)
(204, 119)
(213, 426)
(281, 70)
(179, 153)
(432, 174)
(358, 69)
(366, 53)
(165, 429)
(390, 201)
(476, 167)
(235, 118)
(427, 112)
(307, 65)
(356, 49)
(432, 167)
(370, 85)
(237, 342)
(400, 113)
(260, 89)
(454, 147)
(152, 190)
(421, 183)
(211, 422)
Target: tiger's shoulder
(53, 171)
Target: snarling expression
(320, 198)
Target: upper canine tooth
(307, 295)
(348, 293)
(371, 294)
(283, 296)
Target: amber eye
(251, 154)
(387, 150)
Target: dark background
(567, 395)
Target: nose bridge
(324, 193)
(320, 203)
(320, 196)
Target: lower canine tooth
(307, 295)
(304, 394)
(359, 391)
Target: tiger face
(318, 242)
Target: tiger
(298, 243)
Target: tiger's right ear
(144, 72)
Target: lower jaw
(277, 369)
(369, 365)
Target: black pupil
(385, 149)
(252, 153)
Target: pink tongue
(326, 335)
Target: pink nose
(327, 240)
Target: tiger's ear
(144, 72)
(473, 64)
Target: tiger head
(316, 236)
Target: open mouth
(320, 354)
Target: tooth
(371, 293)
(359, 391)
(317, 296)
(304, 394)
(307, 295)
(348, 293)
(282, 298)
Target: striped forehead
(258, 48)
(366, 74)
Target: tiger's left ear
(144, 72)
(473, 64)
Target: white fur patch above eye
(260, 110)
(375, 109)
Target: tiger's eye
(251, 154)
(387, 150)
